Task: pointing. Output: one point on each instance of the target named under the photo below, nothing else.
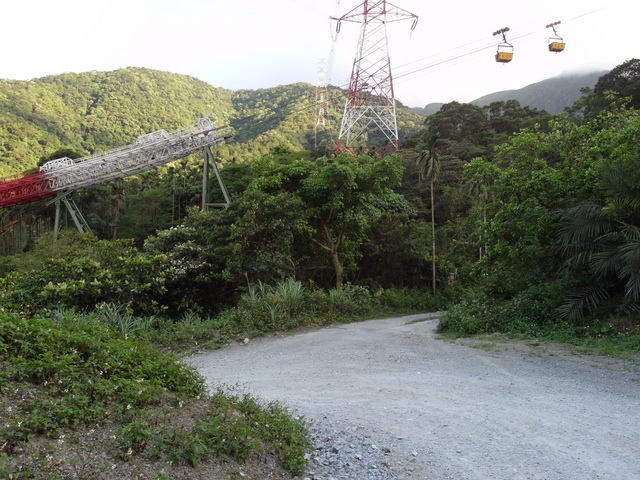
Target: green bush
(194, 333)
(99, 271)
(79, 371)
(411, 299)
(473, 315)
(531, 312)
(269, 423)
(289, 305)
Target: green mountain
(428, 109)
(95, 111)
(552, 94)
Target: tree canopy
(505, 199)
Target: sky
(253, 44)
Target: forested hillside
(94, 111)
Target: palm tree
(604, 238)
(478, 189)
(428, 162)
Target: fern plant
(603, 239)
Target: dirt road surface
(443, 410)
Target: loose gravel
(389, 400)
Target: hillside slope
(95, 111)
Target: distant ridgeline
(96, 111)
(551, 95)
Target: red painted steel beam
(24, 188)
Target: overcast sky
(263, 43)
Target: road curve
(445, 410)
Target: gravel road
(388, 400)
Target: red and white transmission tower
(370, 100)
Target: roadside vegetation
(69, 378)
(510, 220)
(101, 392)
(85, 398)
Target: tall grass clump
(264, 309)
(122, 321)
(289, 304)
(267, 308)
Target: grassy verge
(287, 307)
(84, 394)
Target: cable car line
(441, 62)
(414, 71)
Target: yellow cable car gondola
(505, 49)
(556, 43)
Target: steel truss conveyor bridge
(59, 177)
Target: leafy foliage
(330, 203)
(289, 305)
(81, 373)
(532, 312)
(198, 253)
(85, 272)
(604, 238)
(623, 82)
(534, 175)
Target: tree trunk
(433, 243)
(333, 246)
(339, 269)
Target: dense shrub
(79, 371)
(531, 312)
(286, 306)
(289, 305)
(412, 299)
(91, 272)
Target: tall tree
(621, 84)
(533, 177)
(331, 203)
(428, 170)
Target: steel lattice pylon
(370, 100)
